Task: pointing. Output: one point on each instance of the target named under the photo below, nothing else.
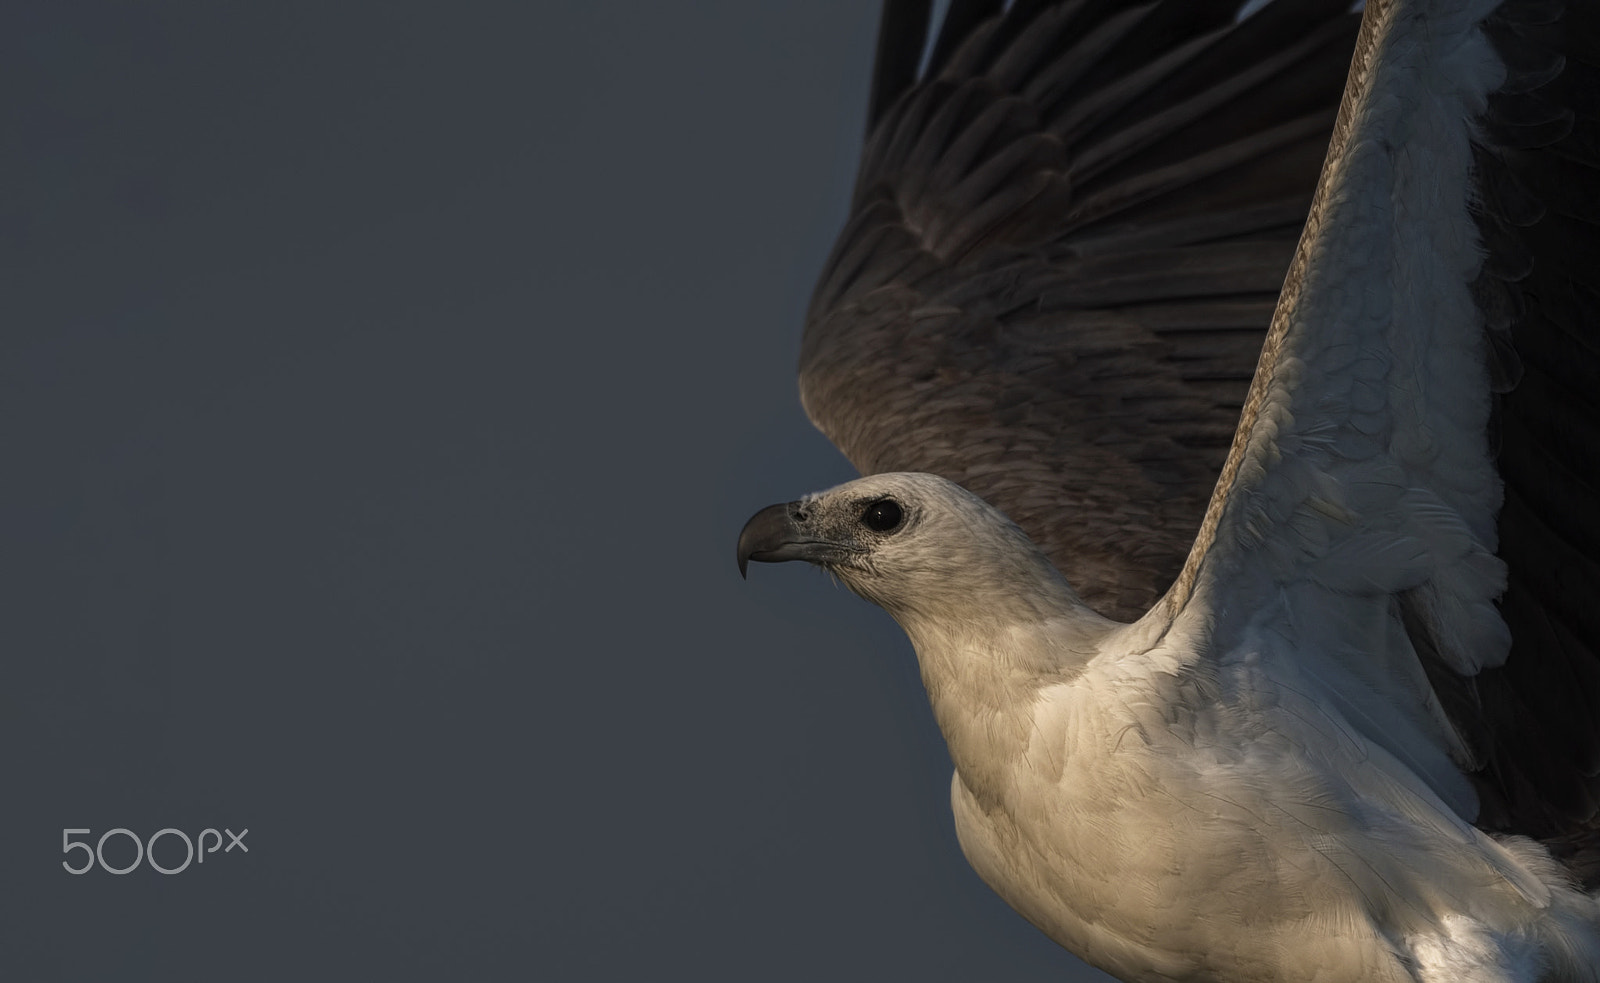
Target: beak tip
(769, 537)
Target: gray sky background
(382, 389)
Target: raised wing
(1068, 235)
(1440, 311)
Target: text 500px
(194, 850)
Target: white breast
(1225, 827)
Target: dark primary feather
(1537, 719)
(902, 31)
(1066, 243)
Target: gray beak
(774, 534)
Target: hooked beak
(777, 533)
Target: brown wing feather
(1064, 250)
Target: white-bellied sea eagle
(1228, 391)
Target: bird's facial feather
(915, 544)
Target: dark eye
(884, 515)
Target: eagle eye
(884, 515)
